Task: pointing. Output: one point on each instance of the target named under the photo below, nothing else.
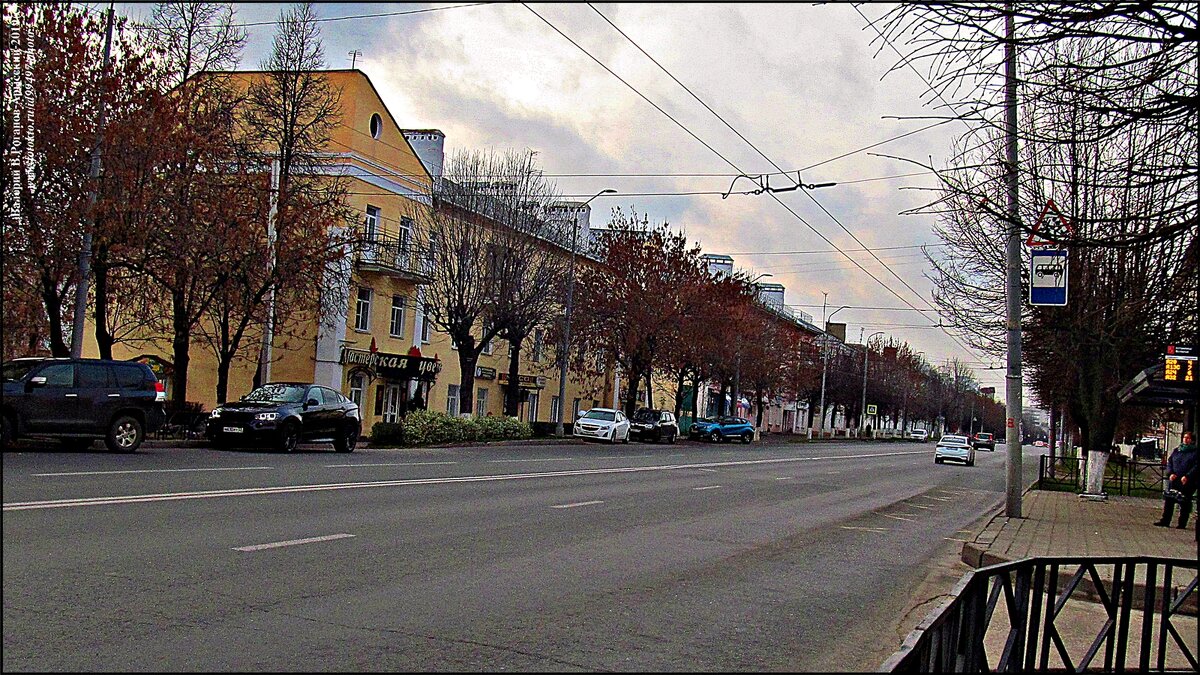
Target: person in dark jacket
(1183, 473)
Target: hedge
(425, 427)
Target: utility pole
(85, 250)
(264, 359)
(1013, 380)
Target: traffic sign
(1048, 277)
(872, 409)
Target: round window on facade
(376, 125)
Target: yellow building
(380, 351)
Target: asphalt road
(796, 557)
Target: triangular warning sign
(1032, 240)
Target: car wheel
(7, 433)
(747, 437)
(626, 439)
(125, 434)
(289, 437)
(348, 440)
(971, 462)
(671, 438)
(715, 437)
(612, 440)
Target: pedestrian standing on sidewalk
(1183, 472)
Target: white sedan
(604, 424)
(957, 448)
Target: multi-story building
(379, 348)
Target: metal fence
(1037, 595)
(1126, 477)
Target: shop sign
(485, 373)
(1180, 364)
(527, 381)
(396, 366)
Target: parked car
(957, 448)
(648, 424)
(284, 414)
(604, 424)
(984, 441)
(80, 400)
(920, 435)
(722, 429)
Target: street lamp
(566, 343)
(825, 358)
(866, 353)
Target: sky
(804, 84)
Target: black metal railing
(1129, 477)
(394, 255)
(968, 635)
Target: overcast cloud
(799, 81)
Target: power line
(880, 248)
(769, 160)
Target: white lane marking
(321, 487)
(571, 506)
(293, 542)
(548, 459)
(784, 478)
(918, 506)
(940, 499)
(709, 470)
(865, 529)
(621, 457)
(707, 487)
(103, 473)
(965, 541)
(343, 466)
(885, 515)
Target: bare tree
(194, 37)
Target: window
(376, 126)
(356, 389)
(362, 310)
(332, 396)
(425, 325)
(371, 224)
(95, 375)
(59, 375)
(555, 407)
(391, 404)
(397, 325)
(129, 377)
(406, 226)
(315, 394)
(452, 400)
(533, 406)
(488, 347)
(575, 411)
(538, 339)
(481, 402)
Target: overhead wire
(764, 156)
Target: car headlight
(215, 413)
(267, 416)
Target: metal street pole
(566, 343)
(85, 249)
(825, 359)
(1012, 503)
(866, 353)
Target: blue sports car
(722, 429)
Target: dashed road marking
(707, 487)
(887, 515)
(293, 542)
(865, 529)
(345, 466)
(571, 506)
(102, 473)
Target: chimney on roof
(429, 144)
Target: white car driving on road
(604, 424)
(957, 448)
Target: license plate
(233, 430)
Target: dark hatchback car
(284, 414)
(80, 400)
(648, 424)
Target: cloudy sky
(804, 84)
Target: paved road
(534, 558)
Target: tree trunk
(758, 399)
(512, 397)
(223, 378)
(649, 388)
(679, 392)
(631, 389)
(53, 303)
(695, 395)
(467, 359)
(104, 338)
(180, 343)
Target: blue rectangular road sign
(1048, 277)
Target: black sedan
(648, 424)
(284, 414)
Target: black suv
(80, 400)
(285, 413)
(648, 424)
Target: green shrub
(387, 433)
(426, 427)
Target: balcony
(393, 257)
